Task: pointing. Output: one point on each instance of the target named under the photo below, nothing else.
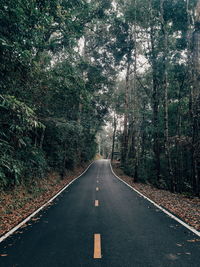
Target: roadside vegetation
(53, 98)
(156, 105)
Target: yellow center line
(97, 189)
(96, 203)
(97, 246)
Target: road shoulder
(185, 208)
(19, 203)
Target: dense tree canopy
(68, 66)
(53, 97)
(160, 137)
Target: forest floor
(184, 207)
(23, 200)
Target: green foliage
(62, 142)
(58, 66)
(18, 154)
(163, 139)
(43, 78)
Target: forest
(71, 67)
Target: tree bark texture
(126, 107)
(155, 105)
(195, 100)
(165, 100)
(114, 134)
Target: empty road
(100, 221)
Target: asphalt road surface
(99, 221)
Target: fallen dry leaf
(186, 208)
(18, 204)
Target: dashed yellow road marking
(96, 203)
(97, 246)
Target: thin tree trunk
(113, 138)
(195, 100)
(63, 168)
(155, 103)
(135, 104)
(191, 78)
(165, 102)
(178, 173)
(42, 137)
(126, 106)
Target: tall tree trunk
(191, 80)
(126, 107)
(165, 100)
(114, 134)
(135, 104)
(195, 94)
(178, 172)
(155, 98)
